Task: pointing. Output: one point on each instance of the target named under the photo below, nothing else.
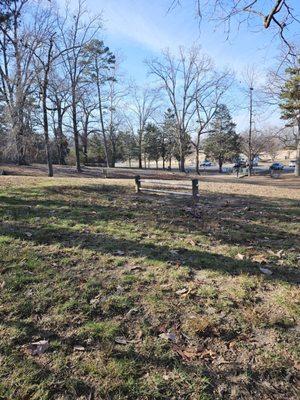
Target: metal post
(137, 180)
(195, 190)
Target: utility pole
(250, 132)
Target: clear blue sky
(140, 29)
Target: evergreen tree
(290, 107)
(222, 144)
(168, 137)
(153, 142)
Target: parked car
(292, 163)
(277, 166)
(206, 164)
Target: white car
(206, 164)
(292, 163)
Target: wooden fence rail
(166, 186)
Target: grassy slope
(84, 262)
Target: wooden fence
(166, 186)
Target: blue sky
(140, 29)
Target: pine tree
(290, 107)
(168, 137)
(222, 144)
(153, 142)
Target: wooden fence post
(137, 183)
(195, 190)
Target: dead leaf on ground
(121, 340)
(131, 311)
(208, 354)
(280, 253)
(78, 348)
(135, 268)
(240, 256)
(168, 336)
(37, 348)
(260, 259)
(266, 271)
(181, 291)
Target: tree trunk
(18, 130)
(297, 164)
(140, 151)
(75, 133)
(156, 164)
(60, 145)
(164, 163)
(113, 153)
(85, 150)
(182, 163)
(101, 112)
(46, 132)
(21, 158)
(220, 166)
(197, 160)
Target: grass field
(142, 297)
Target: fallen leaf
(139, 334)
(182, 291)
(208, 354)
(135, 268)
(121, 340)
(240, 256)
(260, 259)
(279, 253)
(168, 336)
(165, 287)
(37, 348)
(78, 348)
(266, 271)
(120, 289)
(28, 234)
(131, 311)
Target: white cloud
(130, 19)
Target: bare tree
(179, 77)
(115, 119)
(16, 73)
(211, 88)
(75, 33)
(259, 143)
(143, 107)
(59, 97)
(86, 107)
(275, 14)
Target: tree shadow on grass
(110, 245)
(219, 219)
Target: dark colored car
(277, 166)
